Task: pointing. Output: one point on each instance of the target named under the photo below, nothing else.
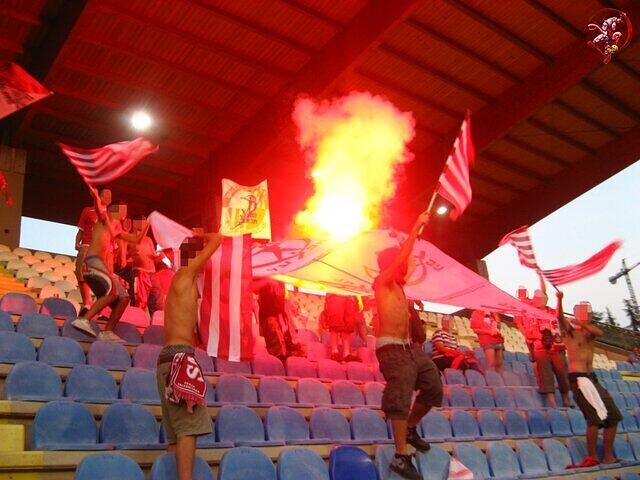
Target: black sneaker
(402, 465)
(416, 441)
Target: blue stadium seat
(269, 365)
(153, 334)
(634, 441)
(58, 307)
(427, 347)
(515, 424)
(483, 398)
(619, 400)
(90, 384)
(634, 387)
(232, 388)
(629, 476)
(533, 461)
(203, 441)
(622, 450)
(313, 391)
(577, 421)
(622, 386)
(359, 372)
(128, 332)
(384, 456)
(109, 355)
(632, 401)
(70, 332)
(307, 336)
(518, 367)
(140, 386)
(16, 347)
(284, 424)
(165, 468)
(559, 423)
(493, 379)
(434, 463)
(436, 427)
(509, 356)
(368, 426)
(454, 376)
(511, 379)
(61, 352)
(18, 303)
(107, 466)
(331, 369)
(146, 356)
(346, 393)
(276, 390)
(300, 463)
(6, 323)
(615, 375)
(503, 461)
(459, 397)
(329, 423)
(37, 325)
(129, 426)
(475, 378)
(523, 398)
(628, 423)
(64, 425)
(351, 463)
(373, 393)
(227, 366)
(491, 426)
(300, 367)
(464, 426)
(578, 450)
(242, 426)
(538, 424)
(32, 381)
(504, 398)
(558, 457)
(246, 463)
(473, 458)
(523, 357)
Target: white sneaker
(109, 336)
(84, 326)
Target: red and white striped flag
(18, 89)
(454, 184)
(226, 301)
(590, 266)
(98, 166)
(521, 240)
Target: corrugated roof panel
(571, 125)
(582, 99)
(524, 158)
(341, 11)
(502, 173)
(549, 143)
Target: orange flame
(355, 146)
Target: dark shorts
(443, 362)
(405, 371)
(590, 414)
(100, 280)
(550, 365)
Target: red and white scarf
(185, 381)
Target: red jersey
(88, 220)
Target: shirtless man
(180, 318)
(86, 223)
(143, 255)
(579, 338)
(405, 369)
(98, 269)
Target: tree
(597, 316)
(631, 313)
(610, 319)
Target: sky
(571, 234)
(48, 236)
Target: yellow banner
(245, 210)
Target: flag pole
(431, 202)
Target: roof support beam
(560, 135)
(515, 141)
(611, 100)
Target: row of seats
(21, 252)
(15, 303)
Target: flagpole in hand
(431, 202)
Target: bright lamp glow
(442, 210)
(141, 120)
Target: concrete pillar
(12, 163)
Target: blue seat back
(58, 307)
(504, 398)
(628, 423)
(373, 393)
(351, 463)
(577, 421)
(454, 376)
(266, 364)
(622, 450)
(368, 425)
(32, 381)
(88, 383)
(473, 458)
(154, 335)
(300, 463)
(62, 424)
(107, 466)
(128, 332)
(6, 323)
(503, 461)
(300, 367)
(515, 424)
(69, 331)
(238, 423)
(109, 355)
(331, 369)
(313, 391)
(15, 347)
(146, 356)
(37, 325)
(232, 388)
(16, 303)
(634, 441)
(384, 457)
(559, 423)
(475, 378)
(434, 463)
(346, 393)
(558, 457)
(483, 398)
(490, 424)
(226, 366)
(359, 372)
(577, 449)
(629, 476)
(532, 459)
(435, 426)
(61, 352)
(275, 390)
(464, 425)
(538, 424)
(329, 423)
(244, 463)
(511, 379)
(459, 397)
(284, 424)
(523, 399)
(140, 386)
(128, 424)
(493, 379)
(165, 468)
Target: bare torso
(180, 310)
(142, 255)
(580, 347)
(102, 244)
(393, 314)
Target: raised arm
(213, 241)
(134, 237)
(543, 284)
(401, 262)
(564, 324)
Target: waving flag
(521, 240)
(102, 165)
(454, 184)
(18, 89)
(226, 301)
(245, 210)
